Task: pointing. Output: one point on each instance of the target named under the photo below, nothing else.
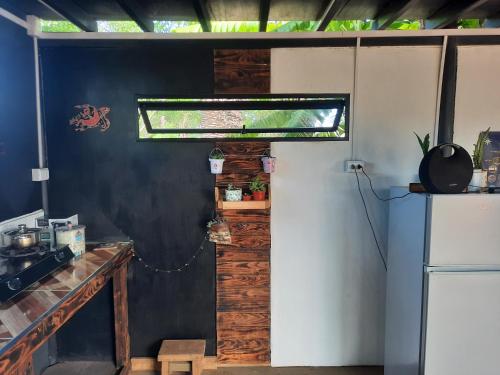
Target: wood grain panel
(247, 216)
(250, 229)
(231, 253)
(244, 300)
(259, 242)
(238, 320)
(242, 71)
(244, 150)
(241, 179)
(244, 357)
(243, 281)
(243, 268)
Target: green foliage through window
(273, 118)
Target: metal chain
(174, 269)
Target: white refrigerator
(443, 285)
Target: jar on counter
(73, 236)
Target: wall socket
(351, 165)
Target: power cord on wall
(369, 220)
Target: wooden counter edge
(18, 359)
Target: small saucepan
(22, 238)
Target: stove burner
(13, 253)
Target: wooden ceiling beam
(449, 15)
(265, 6)
(332, 10)
(200, 7)
(136, 12)
(72, 12)
(394, 11)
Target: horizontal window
(230, 118)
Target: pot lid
(22, 229)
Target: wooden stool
(182, 351)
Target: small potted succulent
(258, 189)
(247, 197)
(216, 159)
(233, 193)
(424, 142)
(479, 175)
(268, 162)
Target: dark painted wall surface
(158, 194)
(18, 146)
(89, 334)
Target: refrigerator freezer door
(462, 331)
(463, 230)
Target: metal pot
(23, 237)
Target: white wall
(327, 281)
(477, 100)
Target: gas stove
(21, 268)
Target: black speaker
(446, 169)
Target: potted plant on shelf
(216, 159)
(258, 189)
(268, 162)
(479, 175)
(247, 197)
(233, 193)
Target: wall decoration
(491, 159)
(90, 117)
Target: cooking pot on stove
(22, 238)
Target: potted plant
(424, 143)
(479, 175)
(233, 193)
(258, 189)
(247, 197)
(268, 162)
(216, 159)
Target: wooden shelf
(241, 205)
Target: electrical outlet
(351, 165)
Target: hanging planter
(218, 231)
(216, 159)
(268, 162)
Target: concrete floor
(105, 368)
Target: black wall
(158, 194)
(18, 146)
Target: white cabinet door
(462, 334)
(462, 229)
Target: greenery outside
(315, 119)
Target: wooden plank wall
(242, 71)
(243, 268)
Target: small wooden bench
(172, 351)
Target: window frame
(140, 107)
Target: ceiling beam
(265, 5)
(136, 12)
(394, 11)
(72, 12)
(449, 15)
(332, 9)
(200, 7)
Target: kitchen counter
(30, 318)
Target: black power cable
(375, 193)
(369, 220)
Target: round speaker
(446, 169)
